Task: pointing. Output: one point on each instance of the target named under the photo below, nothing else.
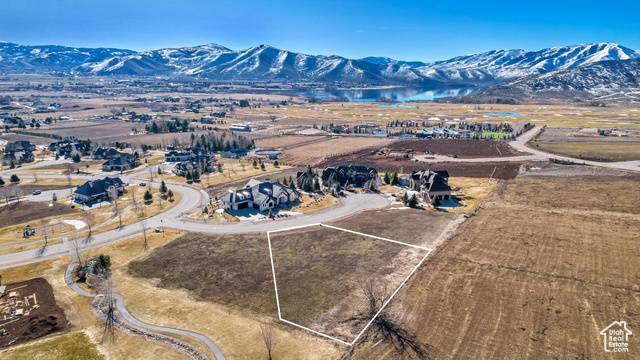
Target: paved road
(520, 144)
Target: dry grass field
(78, 312)
(601, 151)
(551, 115)
(213, 268)
(282, 141)
(314, 153)
(546, 265)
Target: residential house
(18, 157)
(98, 190)
(106, 154)
(428, 183)
(258, 195)
(352, 174)
(20, 146)
(235, 153)
(122, 163)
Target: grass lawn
(72, 345)
(494, 135)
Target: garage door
(256, 206)
(243, 206)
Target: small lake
(396, 94)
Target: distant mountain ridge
(611, 79)
(268, 63)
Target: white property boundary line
(273, 270)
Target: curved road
(68, 277)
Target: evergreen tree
(435, 201)
(387, 178)
(413, 201)
(188, 176)
(405, 199)
(255, 164)
(196, 175)
(1, 182)
(338, 188)
(148, 196)
(170, 194)
(284, 182)
(163, 187)
(262, 167)
(14, 179)
(394, 179)
(372, 185)
(316, 185)
(276, 164)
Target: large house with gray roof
(429, 183)
(352, 174)
(97, 190)
(258, 195)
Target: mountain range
(268, 63)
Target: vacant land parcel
(530, 276)
(307, 294)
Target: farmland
(312, 154)
(462, 148)
(282, 141)
(511, 286)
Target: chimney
(267, 180)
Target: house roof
(439, 186)
(123, 159)
(257, 192)
(92, 188)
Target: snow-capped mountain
(20, 58)
(588, 81)
(268, 63)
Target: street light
(162, 224)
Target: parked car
(143, 184)
(37, 192)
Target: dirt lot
(370, 158)
(462, 148)
(535, 274)
(25, 211)
(46, 318)
(311, 154)
(214, 268)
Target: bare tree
(109, 330)
(44, 230)
(81, 272)
(143, 225)
(89, 221)
(151, 172)
(385, 327)
(69, 170)
(266, 332)
(113, 195)
(35, 177)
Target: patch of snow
(75, 223)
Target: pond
(397, 94)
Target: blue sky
(407, 30)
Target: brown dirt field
(370, 158)
(528, 277)
(47, 319)
(463, 148)
(283, 141)
(24, 211)
(311, 154)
